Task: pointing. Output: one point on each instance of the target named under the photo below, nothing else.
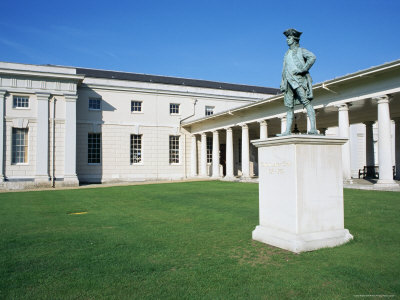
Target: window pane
(136, 106)
(19, 145)
(174, 108)
(95, 104)
(136, 148)
(20, 102)
(173, 149)
(94, 148)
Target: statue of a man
(296, 81)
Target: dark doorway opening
(222, 157)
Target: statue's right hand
(282, 89)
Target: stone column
(193, 156)
(203, 155)
(2, 104)
(283, 124)
(245, 151)
(229, 153)
(344, 131)
(384, 143)
(42, 140)
(263, 130)
(70, 177)
(215, 155)
(369, 144)
(397, 147)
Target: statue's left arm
(309, 58)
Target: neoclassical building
(64, 125)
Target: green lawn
(185, 240)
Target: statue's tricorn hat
(292, 32)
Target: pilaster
(42, 143)
(2, 135)
(70, 177)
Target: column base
(42, 181)
(229, 178)
(386, 183)
(301, 242)
(70, 180)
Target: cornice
(73, 77)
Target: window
(174, 149)
(209, 149)
(174, 108)
(136, 148)
(209, 110)
(20, 102)
(94, 148)
(19, 145)
(136, 106)
(94, 104)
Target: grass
(184, 240)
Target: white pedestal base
(301, 242)
(301, 192)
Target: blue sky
(229, 41)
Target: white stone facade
(57, 146)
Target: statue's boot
(289, 121)
(311, 117)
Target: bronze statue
(296, 81)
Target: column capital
(43, 96)
(2, 93)
(215, 132)
(343, 106)
(383, 99)
(263, 122)
(282, 117)
(203, 134)
(229, 129)
(70, 97)
(369, 123)
(243, 125)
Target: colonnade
(245, 154)
(384, 144)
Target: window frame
(178, 108)
(132, 149)
(14, 106)
(95, 99)
(26, 146)
(174, 151)
(137, 111)
(100, 149)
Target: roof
(393, 65)
(175, 81)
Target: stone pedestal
(301, 192)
